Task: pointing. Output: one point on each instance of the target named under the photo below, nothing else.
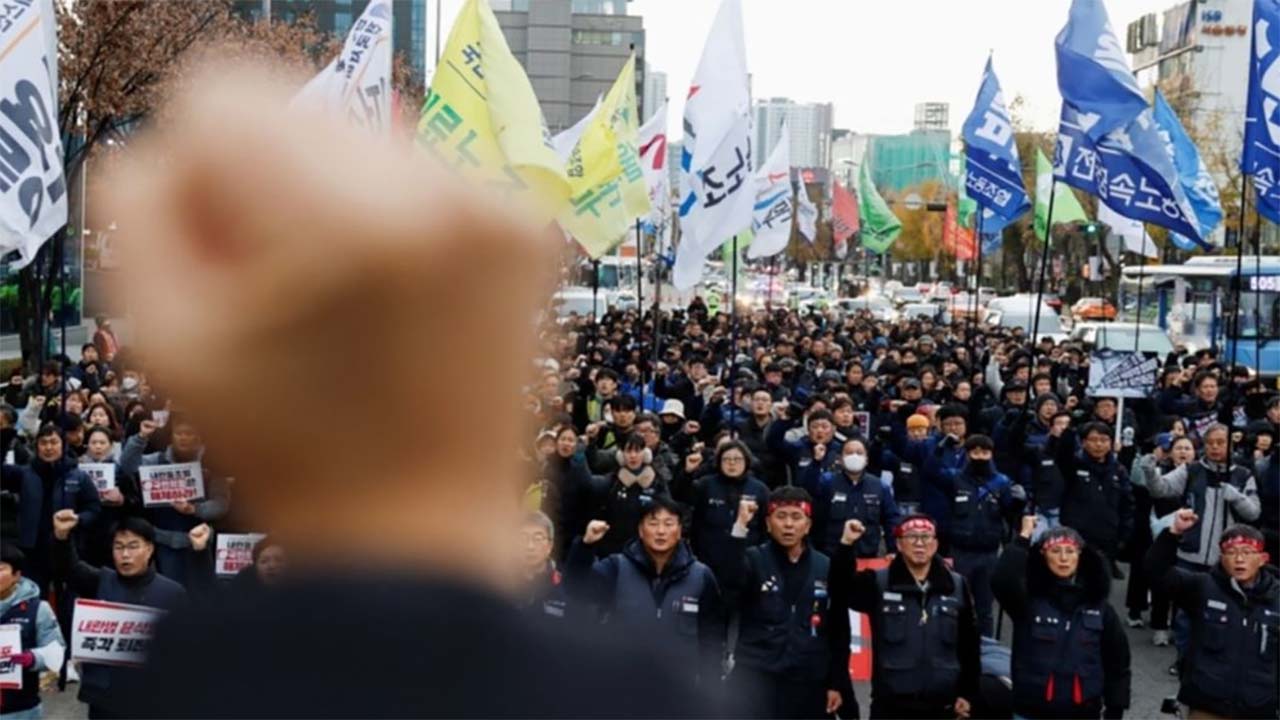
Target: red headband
(805, 507)
(1059, 540)
(915, 525)
(1241, 541)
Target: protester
(716, 499)
(1070, 653)
(42, 646)
(544, 596)
(847, 493)
(923, 628)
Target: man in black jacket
(1070, 651)
(1230, 667)
(786, 665)
(924, 634)
(1098, 500)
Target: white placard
(1121, 374)
(160, 417)
(235, 552)
(10, 645)
(165, 484)
(112, 633)
(102, 474)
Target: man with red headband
(1070, 652)
(786, 665)
(924, 633)
(1230, 667)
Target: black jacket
(1231, 662)
(1037, 602)
(715, 509)
(1098, 500)
(622, 507)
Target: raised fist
(63, 522)
(747, 510)
(1183, 520)
(853, 530)
(147, 428)
(595, 530)
(819, 452)
(1028, 526)
(199, 537)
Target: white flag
(716, 191)
(33, 187)
(566, 141)
(773, 211)
(357, 84)
(653, 160)
(1131, 232)
(806, 212)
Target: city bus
(1193, 302)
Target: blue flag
(1093, 73)
(1108, 142)
(1193, 174)
(993, 175)
(1261, 156)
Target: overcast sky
(874, 59)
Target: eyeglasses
(735, 459)
(537, 538)
(1063, 550)
(1242, 553)
(919, 538)
(132, 547)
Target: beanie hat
(917, 421)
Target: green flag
(880, 227)
(1066, 208)
(967, 206)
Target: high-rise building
(655, 91)
(933, 116)
(848, 148)
(899, 162)
(809, 127)
(572, 51)
(408, 22)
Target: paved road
(1151, 681)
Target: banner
(653, 161)
(480, 115)
(1114, 373)
(166, 484)
(880, 227)
(774, 209)
(1066, 208)
(10, 645)
(992, 170)
(845, 218)
(860, 629)
(606, 183)
(356, 85)
(33, 189)
(957, 240)
(806, 211)
(716, 191)
(235, 552)
(103, 475)
(1193, 174)
(1260, 158)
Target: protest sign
(1121, 374)
(165, 484)
(102, 474)
(10, 645)
(235, 552)
(860, 629)
(862, 423)
(111, 633)
(160, 417)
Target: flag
(356, 85)
(1261, 156)
(717, 194)
(481, 117)
(33, 188)
(1066, 208)
(774, 209)
(993, 174)
(806, 211)
(1133, 234)
(845, 219)
(992, 225)
(607, 187)
(880, 227)
(1108, 142)
(957, 240)
(566, 140)
(653, 160)
(1193, 174)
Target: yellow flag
(607, 188)
(481, 116)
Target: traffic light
(1091, 228)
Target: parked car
(1151, 339)
(926, 310)
(1050, 324)
(961, 307)
(1053, 301)
(880, 308)
(1093, 308)
(907, 296)
(1021, 304)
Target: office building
(933, 116)
(655, 91)
(408, 22)
(809, 127)
(572, 51)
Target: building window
(600, 7)
(597, 37)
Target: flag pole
(595, 291)
(733, 334)
(977, 283)
(773, 272)
(1235, 286)
(1142, 271)
(640, 310)
(1257, 290)
(1044, 262)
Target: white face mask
(855, 462)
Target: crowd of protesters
(733, 492)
